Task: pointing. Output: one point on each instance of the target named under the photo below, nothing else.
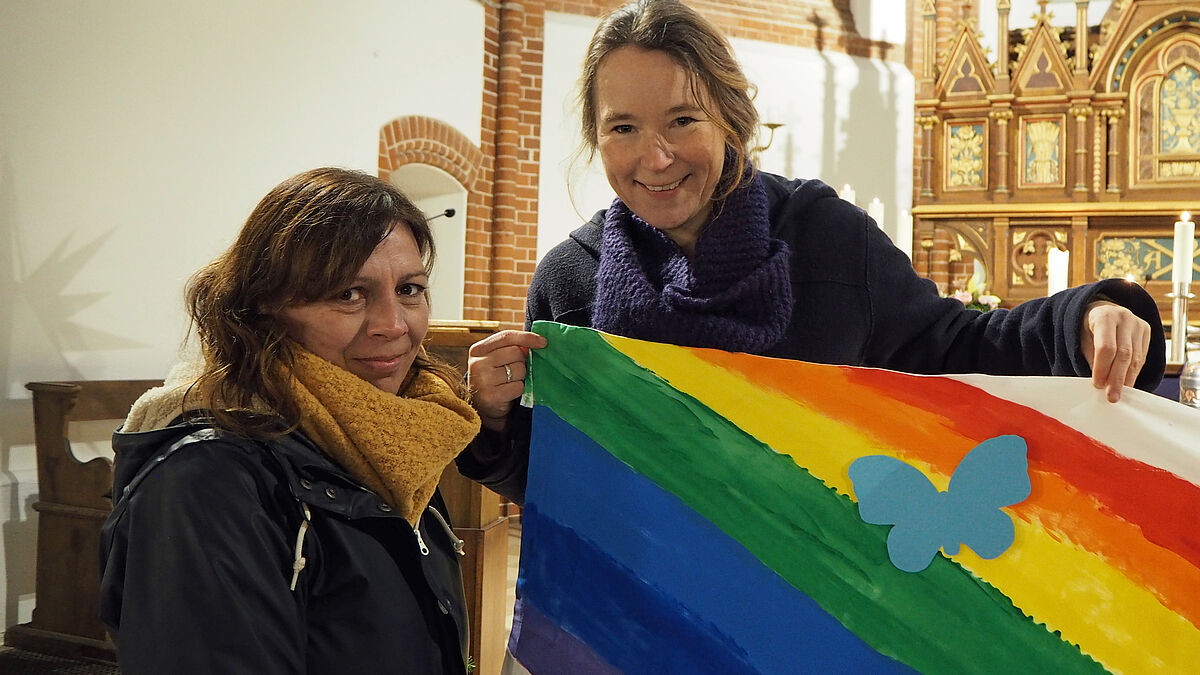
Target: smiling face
(662, 154)
(375, 327)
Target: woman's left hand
(1114, 342)
(496, 374)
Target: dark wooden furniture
(72, 504)
(73, 501)
(475, 512)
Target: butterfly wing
(993, 474)
(891, 492)
(913, 544)
(888, 490)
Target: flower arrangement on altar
(976, 296)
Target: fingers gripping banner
(698, 511)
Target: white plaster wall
(135, 137)
(569, 192)
(847, 120)
(884, 20)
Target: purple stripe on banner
(666, 590)
(546, 648)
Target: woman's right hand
(496, 374)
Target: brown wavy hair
(706, 56)
(306, 239)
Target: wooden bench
(73, 501)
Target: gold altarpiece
(1082, 138)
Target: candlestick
(1057, 263)
(1179, 321)
(875, 210)
(848, 193)
(1181, 279)
(1185, 242)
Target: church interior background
(1076, 134)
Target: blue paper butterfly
(993, 474)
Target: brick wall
(518, 154)
(815, 24)
(947, 24)
(914, 58)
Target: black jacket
(857, 302)
(200, 547)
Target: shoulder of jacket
(804, 190)
(572, 259)
(815, 215)
(206, 451)
(584, 241)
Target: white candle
(848, 193)
(904, 233)
(1185, 243)
(1056, 270)
(875, 210)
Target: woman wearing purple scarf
(700, 249)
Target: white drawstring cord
(454, 540)
(300, 560)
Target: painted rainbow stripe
(689, 510)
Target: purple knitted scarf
(734, 294)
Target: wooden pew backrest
(73, 501)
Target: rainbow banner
(695, 511)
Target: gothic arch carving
(425, 140)
(967, 73)
(1042, 61)
(1141, 45)
(1165, 114)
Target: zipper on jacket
(454, 540)
(420, 541)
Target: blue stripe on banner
(624, 621)
(649, 596)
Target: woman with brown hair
(276, 505)
(702, 249)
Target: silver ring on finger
(507, 374)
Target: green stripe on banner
(940, 620)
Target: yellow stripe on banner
(822, 445)
(1092, 604)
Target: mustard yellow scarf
(396, 445)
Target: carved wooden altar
(1082, 138)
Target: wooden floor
(514, 557)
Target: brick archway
(423, 140)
